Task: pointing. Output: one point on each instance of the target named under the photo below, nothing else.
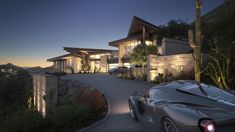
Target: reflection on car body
(182, 106)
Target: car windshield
(210, 92)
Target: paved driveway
(118, 91)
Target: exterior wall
(58, 65)
(172, 46)
(43, 86)
(168, 64)
(74, 62)
(120, 55)
(104, 63)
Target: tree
(15, 86)
(175, 29)
(141, 52)
(219, 30)
(219, 67)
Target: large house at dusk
(140, 32)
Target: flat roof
(131, 38)
(62, 57)
(87, 50)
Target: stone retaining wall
(173, 64)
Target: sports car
(184, 106)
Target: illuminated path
(118, 91)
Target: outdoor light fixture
(207, 125)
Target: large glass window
(128, 48)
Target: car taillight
(207, 126)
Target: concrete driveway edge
(106, 116)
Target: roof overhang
(127, 39)
(87, 50)
(137, 25)
(62, 57)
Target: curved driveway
(118, 91)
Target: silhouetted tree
(175, 29)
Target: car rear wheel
(132, 112)
(168, 126)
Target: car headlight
(207, 125)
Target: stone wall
(174, 64)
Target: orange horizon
(27, 62)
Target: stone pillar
(104, 63)
(143, 28)
(151, 67)
(120, 55)
(44, 92)
(155, 39)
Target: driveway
(118, 91)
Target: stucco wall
(173, 46)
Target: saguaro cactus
(195, 41)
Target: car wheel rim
(168, 127)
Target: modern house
(84, 59)
(143, 32)
(140, 32)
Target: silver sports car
(185, 106)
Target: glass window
(210, 92)
(154, 93)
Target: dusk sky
(32, 31)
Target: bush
(144, 77)
(90, 97)
(15, 86)
(160, 78)
(22, 121)
(182, 75)
(69, 69)
(67, 118)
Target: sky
(31, 31)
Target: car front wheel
(168, 126)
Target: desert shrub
(67, 118)
(64, 118)
(90, 97)
(131, 77)
(182, 75)
(15, 86)
(22, 121)
(160, 78)
(68, 69)
(144, 77)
